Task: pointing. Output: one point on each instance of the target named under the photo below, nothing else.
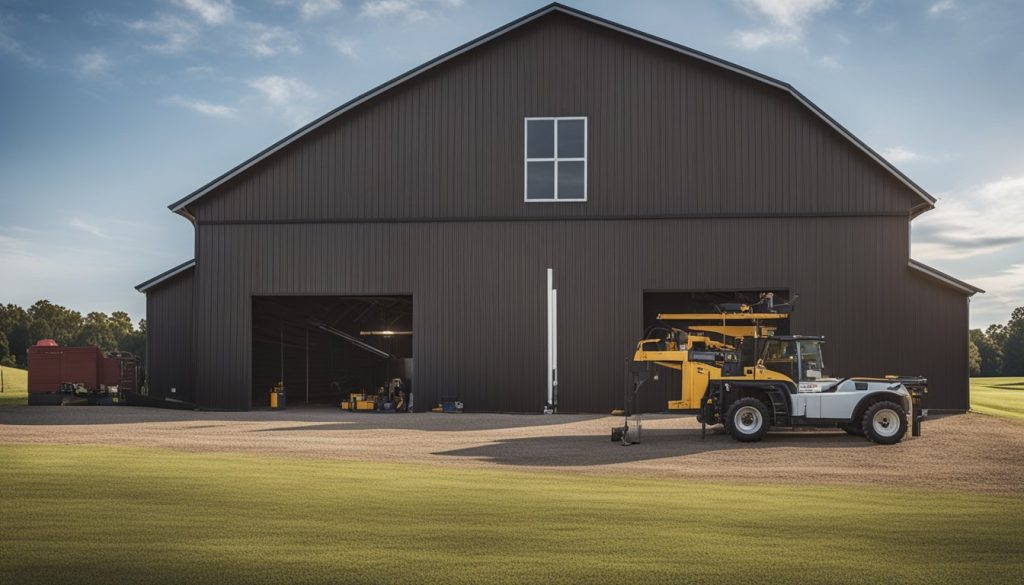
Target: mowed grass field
(15, 386)
(999, 397)
(125, 515)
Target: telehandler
(738, 373)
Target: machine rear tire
(885, 423)
(747, 420)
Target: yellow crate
(365, 405)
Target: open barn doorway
(325, 348)
(657, 393)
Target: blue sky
(111, 110)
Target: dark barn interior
(325, 347)
(667, 387)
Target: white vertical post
(553, 399)
(551, 328)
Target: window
(556, 159)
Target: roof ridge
(179, 206)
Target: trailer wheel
(747, 420)
(885, 423)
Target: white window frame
(555, 159)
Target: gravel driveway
(965, 452)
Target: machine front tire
(885, 423)
(747, 420)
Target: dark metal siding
(169, 322)
(668, 135)
(419, 192)
(478, 294)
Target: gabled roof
(954, 283)
(927, 201)
(163, 276)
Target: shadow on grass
(589, 450)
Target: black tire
(853, 428)
(884, 423)
(747, 420)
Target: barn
(412, 232)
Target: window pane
(540, 139)
(570, 179)
(540, 180)
(570, 138)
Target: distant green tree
(989, 353)
(973, 358)
(14, 324)
(120, 324)
(96, 330)
(50, 321)
(5, 348)
(135, 342)
(1012, 344)
(996, 333)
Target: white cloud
(787, 19)
(175, 34)
(791, 14)
(346, 47)
(280, 90)
(898, 154)
(88, 228)
(10, 45)
(1004, 291)
(201, 70)
(982, 229)
(408, 9)
(286, 96)
(983, 221)
(755, 39)
(268, 41)
(314, 9)
(941, 7)
(209, 11)
(203, 107)
(828, 62)
(93, 64)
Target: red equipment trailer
(56, 373)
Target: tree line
(999, 350)
(21, 328)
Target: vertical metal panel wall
(169, 326)
(699, 179)
(478, 293)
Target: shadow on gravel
(296, 419)
(574, 451)
(432, 422)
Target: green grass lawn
(15, 386)
(125, 515)
(998, 396)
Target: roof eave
(953, 282)
(166, 275)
